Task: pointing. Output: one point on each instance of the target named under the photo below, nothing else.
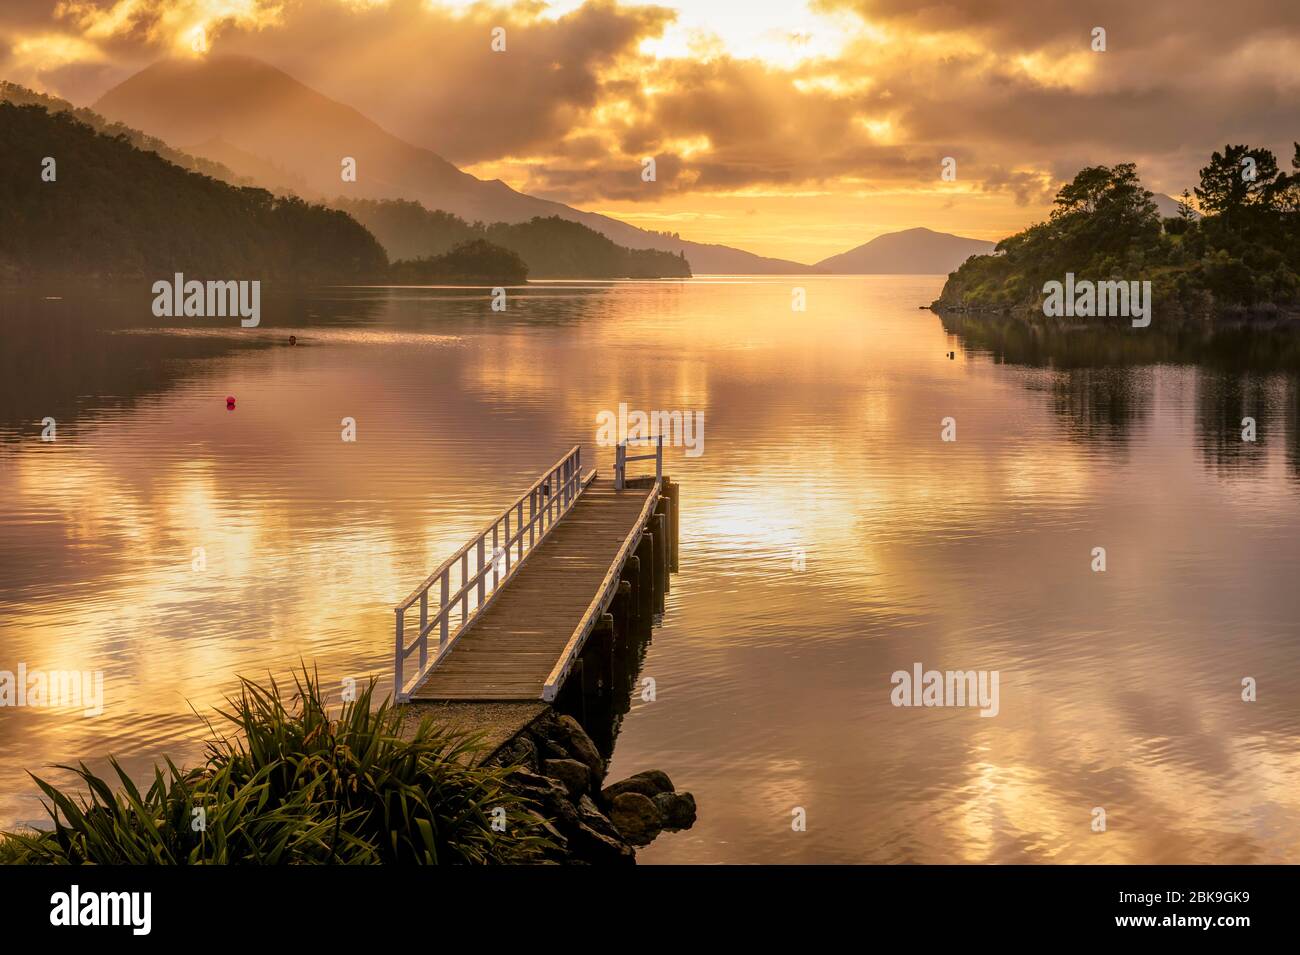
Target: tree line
(550, 246)
(76, 202)
(1240, 253)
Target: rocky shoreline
(561, 772)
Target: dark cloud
(1011, 89)
(431, 75)
(1020, 25)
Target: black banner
(130, 906)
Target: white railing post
(424, 629)
(397, 663)
(464, 587)
(482, 577)
(444, 608)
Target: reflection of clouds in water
(823, 436)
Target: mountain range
(247, 122)
(266, 126)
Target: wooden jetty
(506, 617)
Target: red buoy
(230, 401)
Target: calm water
(822, 449)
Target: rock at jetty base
(560, 772)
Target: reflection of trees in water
(1103, 388)
(1041, 344)
(1291, 413)
(1223, 399)
(1102, 404)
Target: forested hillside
(114, 210)
(551, 247)
(22, 96)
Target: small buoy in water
(952, 355)
(293, 339)
(230, 402)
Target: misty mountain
(911, 252)
(1167, 206)
(266, 125)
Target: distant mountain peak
(915, 251)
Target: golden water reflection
(829, 538)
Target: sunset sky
(794, 129)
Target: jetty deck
(506, 617)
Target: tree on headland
(1237, 179)
(1289, 189)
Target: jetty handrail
(621, 459)
(548, 499)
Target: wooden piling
(660, 524)
(619, 607)
(664, 509)
(645, 552)
(632, 575)
(674, 492)
(603, 637)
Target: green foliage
(476, 261)
(21, 96)
(1226, 190)
(118, 211)
(1244, 254)
(551, 247)
(293, 785)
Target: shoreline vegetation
(87, 200)
(291, 785)
(287, 783)
(550, 247)
(1237, 259)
